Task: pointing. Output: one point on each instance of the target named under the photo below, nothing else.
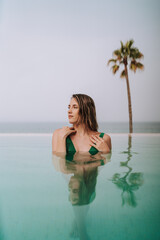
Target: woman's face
(73, 111)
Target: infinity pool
(44, 197)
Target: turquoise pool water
(43, 197)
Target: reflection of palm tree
(122, 56)
(130, 182)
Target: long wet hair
(87, 111)
(87, 188)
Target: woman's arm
(58, 142)
(59, 139)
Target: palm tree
(127, 54)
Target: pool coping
(50, 134)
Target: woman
(83, 136)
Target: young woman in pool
(83, 136)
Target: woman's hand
(100, 144)
(66, 131)
(59, 139)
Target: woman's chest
(81, 144)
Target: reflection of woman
(84, 170)
(83, 135)
(81, 193)
(82, 185)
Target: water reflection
(1, 229)
(83, 168)
(131, 181)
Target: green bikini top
(70, 149)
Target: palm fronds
(126, 54)
(115, 68)
(123, 74)
(134, 65)
(111, 60)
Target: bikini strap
(101, 135)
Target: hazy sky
(50, 49)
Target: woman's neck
(80, 130)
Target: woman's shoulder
(107, 139)
(56, 132)
(105, 135)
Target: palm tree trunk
(129, 101)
